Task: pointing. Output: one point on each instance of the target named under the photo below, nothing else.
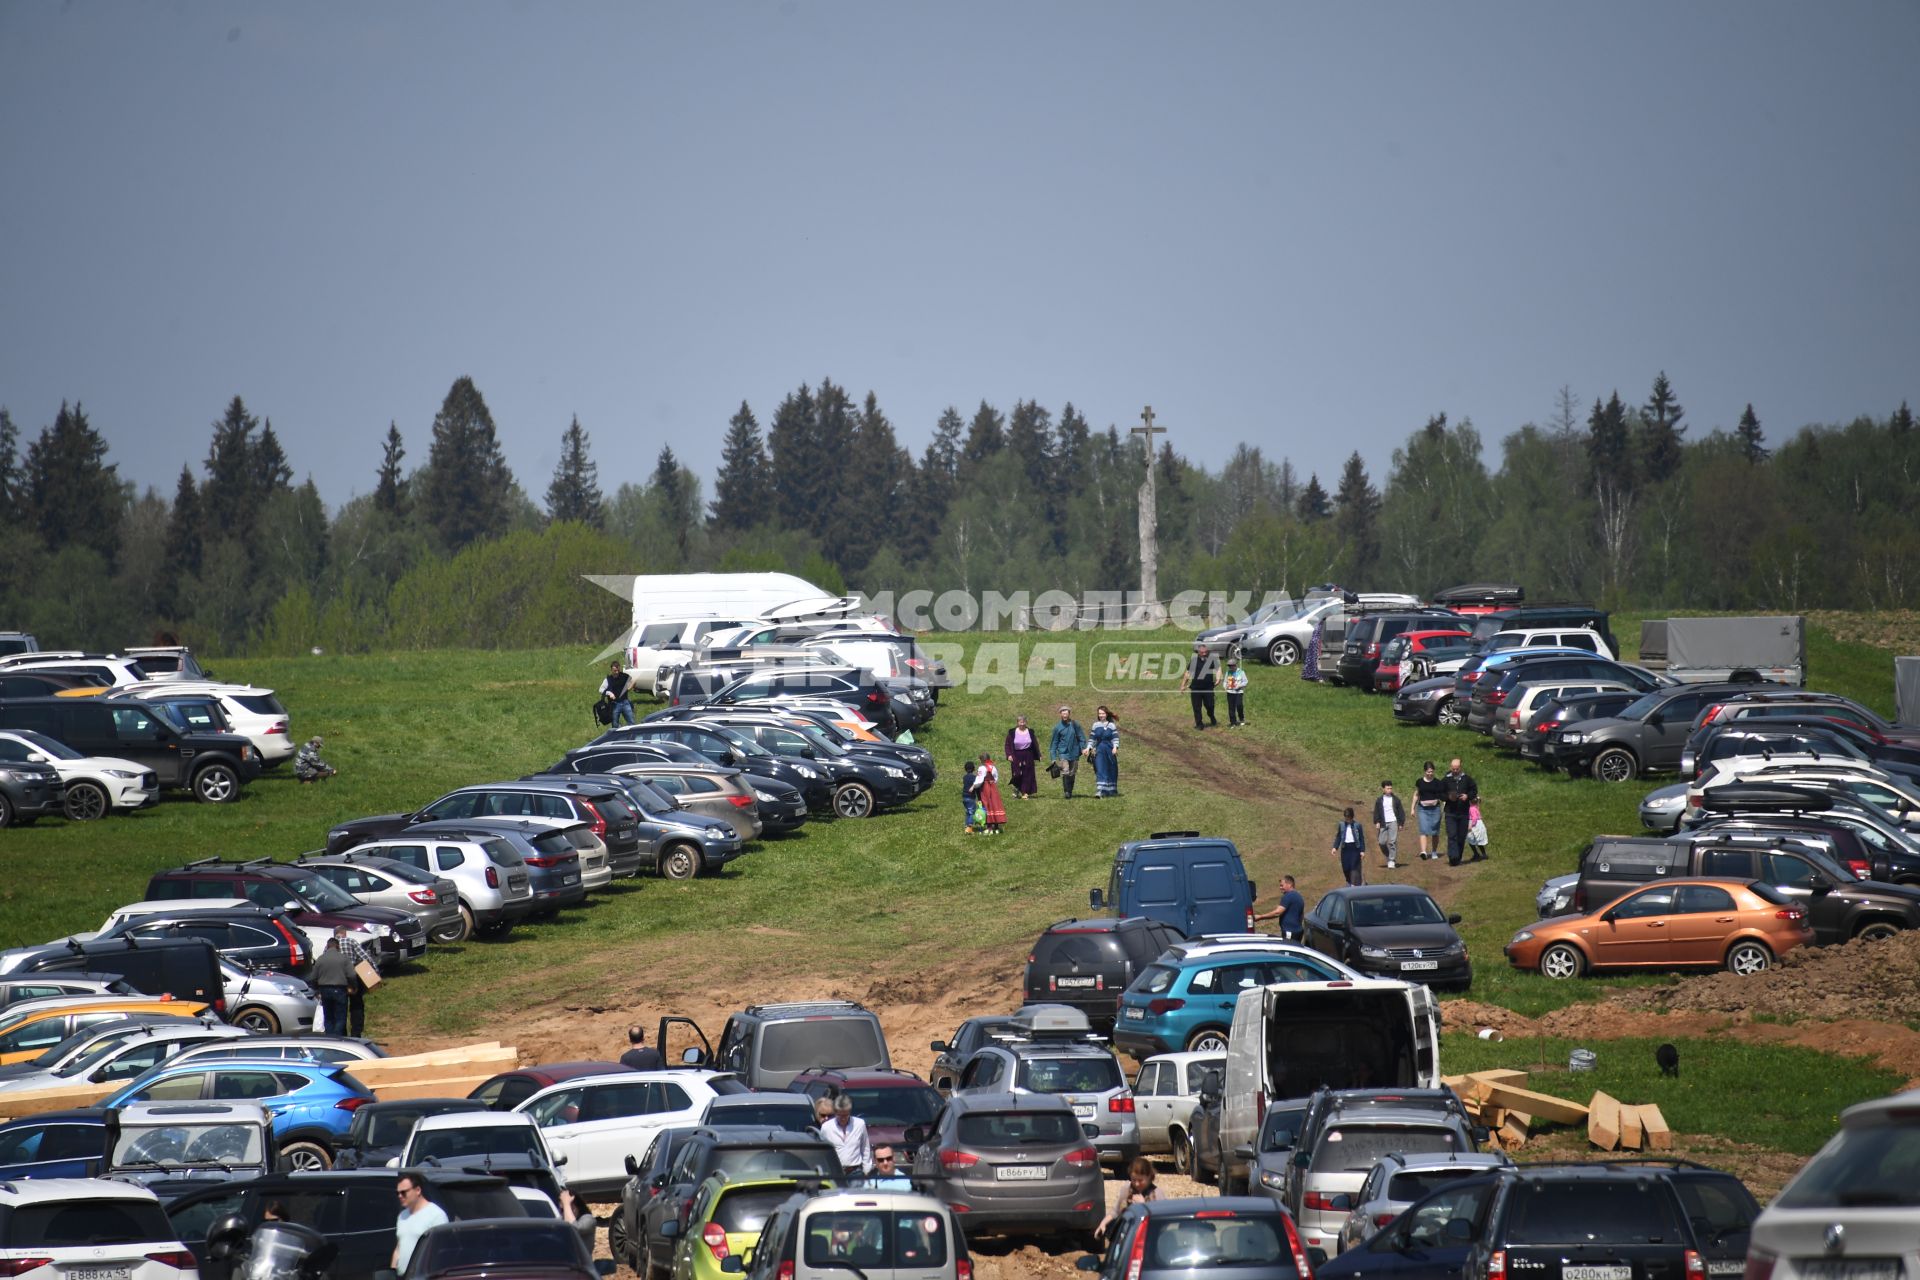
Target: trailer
(1708, 650)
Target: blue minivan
(1195, 883)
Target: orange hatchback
(1670, 924)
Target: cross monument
(1149, 518)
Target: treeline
(1614, 502)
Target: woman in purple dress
(1023, 754)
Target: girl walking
(992, 811)
(1476, 833)
(1105, 739)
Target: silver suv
(1398, 1180)
(489, 877)
(1344, 1150)
(1018, 1161)
(1086, 1077)
(1283, 641)
(387, 882)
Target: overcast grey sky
(1306, 226)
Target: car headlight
(1574, 739)
(1454, 949)
(712, 834)
(764, 798)
(1272, 1181)
(1525, 935)
(1666, 802)
(1434, 695)
(1373, 953)
(808, 772)
(892, 772)
(121, 773)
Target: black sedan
(1391, 931)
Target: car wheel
(1615, 764)
(1182, 1155)
(617, 1243)
(852, 800)
(679, 862)
(1450, 714)
(1283, 652)
(1748, 958)
(1207, 1040)
(1562, 960)
(305, 1156)
(216, 784)
(86, 801)
(1877, 931)
(458, 931)
(6, 811)
(258, 1019)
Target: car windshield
(1397, 909)
(821, 1042)
(475, 1142)
(748, 1208)
(41, 742)
(1070, 1075)
(50, 1056)
(322, 895)
(105, 1048)
(1416, 1184)
(501, 852)
(767, 1115)
(389, 1128)
(1357, 1148)
(901, 1108)
(1018, 1128)
(1220, 1238)
(853, 1240)
(486, 1245)
(1877, 1165)
(776, 1162)
(1638, 708)
(228, 1144)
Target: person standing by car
(848, 1134)
(1428, 795)
(617, 688)
(1350, 846)
(1462, 794)
(331, 976)
(356, 989)
(1235, 683)
(1139, 1189)
(418, 1215)
(638, 1056)
(1064, 749)
(1105, 744)
(1198, 681)
(1290, 913)
(1023, 758)
(1388, 817)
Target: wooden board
(1658, 1136)
(1501, 1075)
(32, 1102)
(1541, 1106)
(1603, 1121)
(1631, 1132)
(443, 1087)
(1513, 1133)
(377, 1072)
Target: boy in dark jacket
(1350, 846)
(1389, 815)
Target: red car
(891, 1102)
(1386, 677)
(509, 1089)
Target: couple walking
(1070, 743)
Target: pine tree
(1900, 424)
(11, 493)
(1357, 517)
(741, 490)
(73, 494)
(390, 488)
(836, 487)
(184, 524)
(230, 498)
(1030, 439)
(986, 435)
(932, 486)
(794, 457)
(467, 491)
(1660, 431)
(1314, 503)
(1609, 452)
(271, 474)
(874, 504)
(574, 493)
(677, 497)
(1750, 436)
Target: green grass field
(905, 891)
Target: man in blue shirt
(1065, 747)
(418, 1215)
(1291, 911)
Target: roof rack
(205, 862)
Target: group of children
(980, 794)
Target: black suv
(728, 747)
(214, 766)
(1890, 852)
(29, 790)
(1088, 963)
(1798, 704)
(1369, 633)
(1560, 712)
(1801, 735)
(1488, 625)
(255, 937)
(584, 799)
(862, 784)
(1645, 736)
(856, 688)
(740, 1150)
(311, 900)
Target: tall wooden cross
(1149, 516)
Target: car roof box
(1050, 1019)
(1482, 593)
(1739, 798)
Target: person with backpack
(617, 690)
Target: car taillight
(426, 897)
(351, 1104)
(599, 826)
(1861, 868)
(1790, 913)
(1382, 1219)
(542, 861)
(493, 878)
(1373, 650)
(785, 1272)
(715, 1236)
(1122, 1104)
(1321, 1201)
(1497, 697)
(1165, 1005)
(1249, 919)
(1259, 1107)
(1514, 719)
(1083, 1158)
(1301, 1264)
(1759, 1264)
(178, 1259)
(963, 1269)
(876, 697)
(20, 1266)
(1497, 1265)
(1713, 713)
(1136, 1257)
(740, 802)
(1696, 1265)
(957, 1160)
(295, 956)
(1469, 676)
(279, 727)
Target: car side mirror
(1458, 1231)
(1481, 1133)
(693, 1057)
(915, 1135)
(35, 757)
(1243, 1152)
(670, 1230)
(733, 1264)
(1302, 1160)
(1608, 917)
(1453, 919)
(659, 1180)
(1087, 1262)
(605, 1266)
(1655, 720)
(558, 1161)
(1096, 900)
(938, 1046)
(633, 1166)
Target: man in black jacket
(1389, 815)
(1461, 794)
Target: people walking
(617, 688)
(356, 955)
(1198, 681)
(639, 1057)
(1105, 738)
(1023, 758)
(1389, 815)
(1350, 846)
(330, 977)
(1476, 833)
(1428, 794)
(1235, 683)
(848, 1134)
(1462, 794)
(1310, 665)
(1064, 749)
(993, 811)
(1291, 913)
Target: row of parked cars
(85, 735)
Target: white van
(666, 643)
(1294, 1037)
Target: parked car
(16, 642)
(1801, 704)
(380, 1129)
(1283, 640)
(498, 1247)
(862, 785)
(508, 1089)
(1432, 1238)
(574, 801)
(491, 883)
(1365, 636)
(1195, 1237)
(1086, 1076)
(1671, 924)
(889, 1102)
(29, 790)
(730, 749)
(55, 1228)
(1391, 931)
(254, 713)
(1428, 701)
(1398, 655)
(1054, 1185)
(1495, 693)
(1165, 1092)
(95, 785)
(1645, 736)
(53, 1144)
(706, 789)
(172, 1148)
(741, 1152)
(1087, 964)
(1341, 1150)
(108, 1052)
(547, 855)
(1849, 1211)
(31, 1027)
(187, 969)
(103, 670)
(1192, 883)
(957, 1048)
(311, 1103)
(243, 932)
(1562, 711)
(389, 936)
(1549, 638)
(593, 1123)
(767, 1045)
(326, 1050)
(783, 1110)
(1511, 722)
(859, 689)
(883, 1235)
(504, 1143)
(1186, 1002)
(59, 984)
(726, 1221)
(215, 767)
(1536, 617)
(161, 661)
(1615, 1213)
(387, 882)
(1891, 852)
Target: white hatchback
(96, 785)
(88, 1229)
(596, 1122)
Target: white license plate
(1084, 1111)
(1849, 1268)
(99, 1273)
(1731, 1267)
(1136, 1015)
(1067, 983)
(1021, 1173)
(1435, 964)
(1596, 1273)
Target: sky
(1306, 226)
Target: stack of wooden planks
(443, 1073)
(1613, 1125)
(1513, 1113)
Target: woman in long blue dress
(1105, 737)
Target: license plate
(99, 1273)
(1849, 1268)
(1136, 1015)
(1435, 964)
(1596, 1273)
(1069, 983)
(1731, 1267)
(1018, 1173)
(1084, 1112)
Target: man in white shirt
(848, 1134)
(417, 1215)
